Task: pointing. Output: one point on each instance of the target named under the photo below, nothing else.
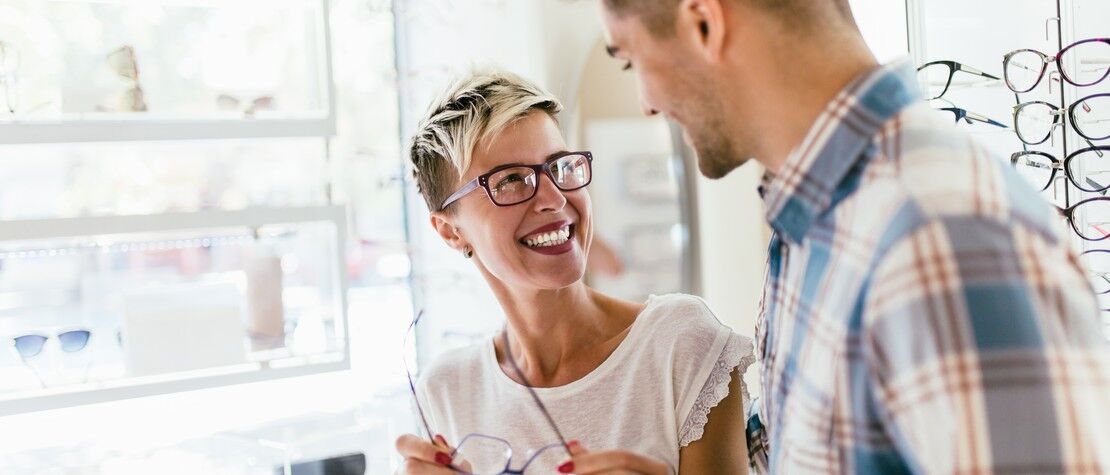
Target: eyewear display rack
(980, 34)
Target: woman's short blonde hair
(474, 108)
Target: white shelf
(102, 225)
(125, 130)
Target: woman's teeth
(553, 238)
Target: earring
(468, 252)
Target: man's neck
(805, 82)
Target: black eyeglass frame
(1065, 165)
(1069, 214)
(1057, 119)
(953, 67)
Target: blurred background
(209, 247)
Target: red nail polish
(566, 467)
(443, 459)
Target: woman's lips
(554, 250)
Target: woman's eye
(509, 181)
(627, 66)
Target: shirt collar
(809, 178)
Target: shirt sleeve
(697, 349)
(736, 355)
(985, 354)
(758, 447)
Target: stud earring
(468, 252)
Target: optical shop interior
(223, 249)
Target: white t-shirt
(651, 396)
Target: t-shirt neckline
(612, 361)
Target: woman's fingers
(416, 448)
(611, 462)
(441, 442)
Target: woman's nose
(548, 196)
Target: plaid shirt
(923, 310)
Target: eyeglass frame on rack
(1057, 164)
(1045, 60)
(1057, 112)
(1104, 275)
(953, 67)
(1069, 214)
(966, 115)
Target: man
(923, 311)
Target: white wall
(734, 236)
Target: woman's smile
(552, 239)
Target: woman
(634, 380)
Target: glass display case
(101, 308)
(81, 70)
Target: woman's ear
(445, 227)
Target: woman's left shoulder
(685, 321)
(681, 311)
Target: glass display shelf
(103, 308)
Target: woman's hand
(611, 462)
(423, 457)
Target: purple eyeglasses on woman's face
(479, 454)
(512, 184)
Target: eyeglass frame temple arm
(465, 190)
(969, 69)
(532, 392)
(412, 384)
(982, 118)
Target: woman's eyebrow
(545, 160)
(556, 154)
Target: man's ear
(445, 227)
(702, 24)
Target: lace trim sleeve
(738, 353)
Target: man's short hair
(658, 15)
